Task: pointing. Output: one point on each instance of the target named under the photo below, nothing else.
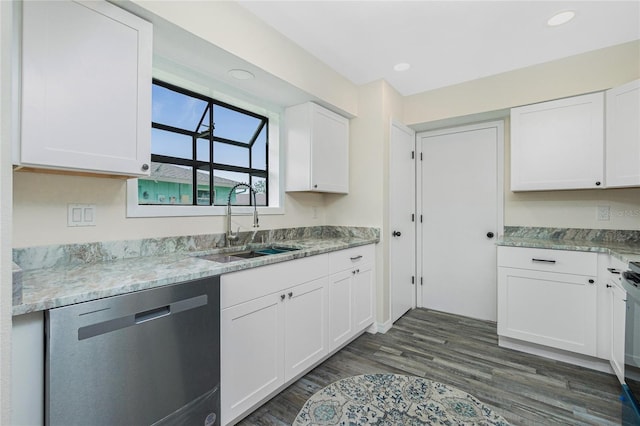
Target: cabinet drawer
(560, 261)
(348, 258)
(242, 286)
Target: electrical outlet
(604, 213)
(81, 215)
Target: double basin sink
(247, 254)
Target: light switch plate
(81, 215)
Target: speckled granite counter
(623, 245)
(56, 276)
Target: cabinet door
(86, 88)
(251, 353)
(330, 152)
(363, 298)
(317, 148)
(623, 136)
(306, 323)
(618, 319)
(27, 369)
(556, 310)
(558, 144)
(341, 308)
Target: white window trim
(276, 166)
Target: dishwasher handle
(152, 314)
(130, 320)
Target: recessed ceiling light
(402, 66)
(561, 18)
(239, 74)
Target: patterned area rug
(390, 399)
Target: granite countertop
(622, 245)
(65, 283)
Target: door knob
(396, 233)
(490, 234)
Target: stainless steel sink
(246, 254)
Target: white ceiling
(446, 42)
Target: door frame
(412, 133)
(500, 180)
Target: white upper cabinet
(86, 88)
(317, 153)
(558, 144)
(623, 136)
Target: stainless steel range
(631, 408)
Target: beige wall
(597, 70)
(239, 32)
(589, 72)
(40, 212)
(366, 204)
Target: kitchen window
(201, 148)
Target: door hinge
(413, 155)
(413, 279)
(413, 217)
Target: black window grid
(211, 165)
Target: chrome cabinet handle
(282, 296)
(591, 281)
(354, 258)
(290, 294)
(543, 260)
(613, 271)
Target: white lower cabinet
(305, 325)
(539, 305)
(351, 293)
(280, 320)
(251, 353)
(618, 319)
(340, 308)
(27, 369)
(270, 340)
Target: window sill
(136, 210)
(186, 211)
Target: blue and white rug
(394, 400)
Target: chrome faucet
(229, 234)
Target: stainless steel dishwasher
(145, 358)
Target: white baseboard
(382, 327)
(556, 354)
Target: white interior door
(461, 199)
(402, 229)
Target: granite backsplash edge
(39, 257)
(608, 236)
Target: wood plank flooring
(462, 352)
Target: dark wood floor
(462, 352)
